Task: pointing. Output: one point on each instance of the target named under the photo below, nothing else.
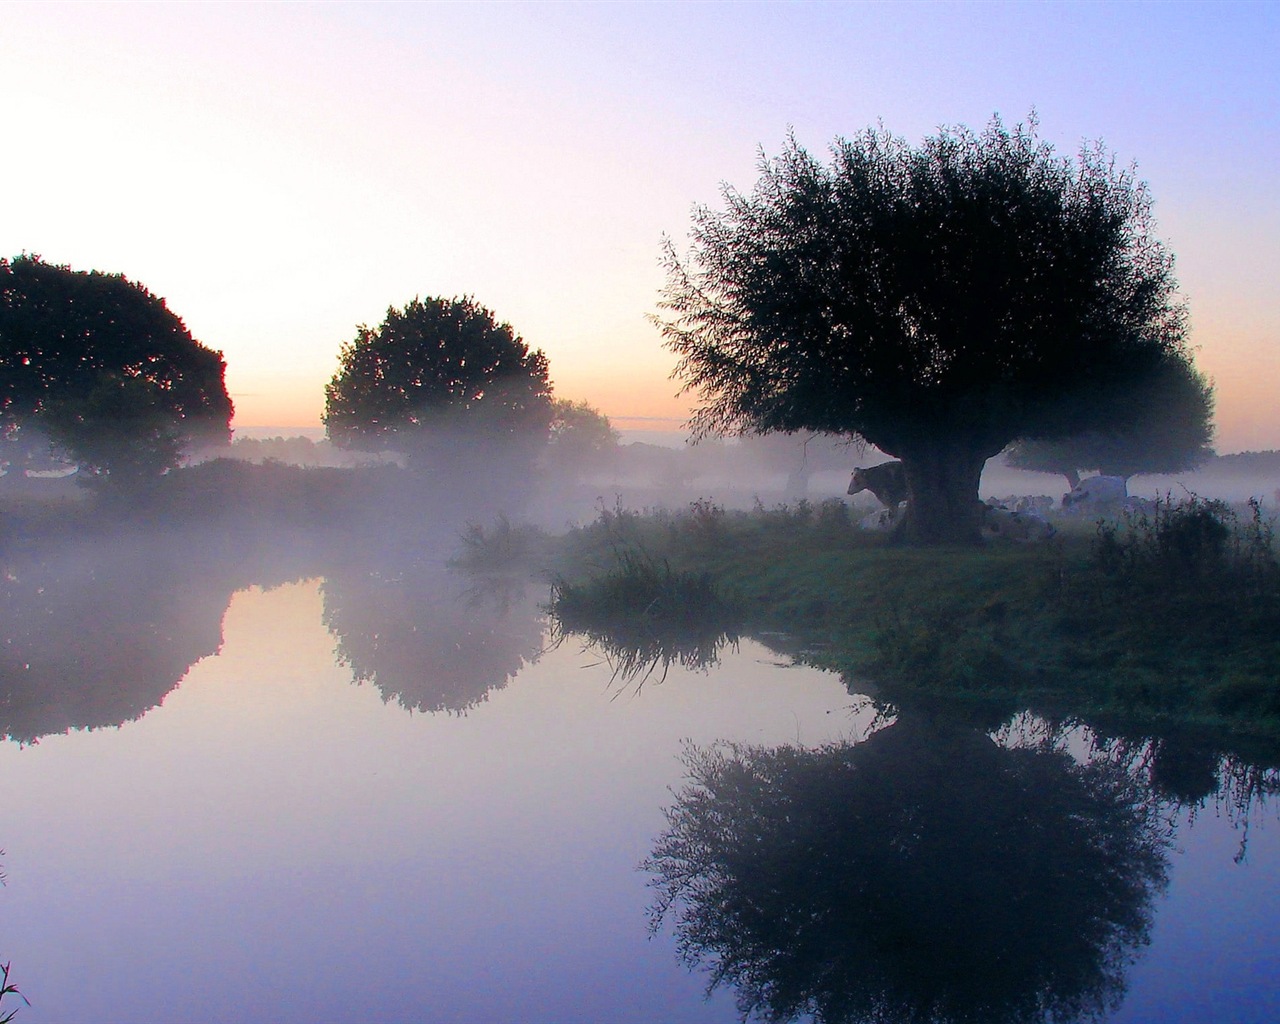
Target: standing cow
(887, 481)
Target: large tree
(938, 301)
(1164, 426)
(435, 379)
(100, 366)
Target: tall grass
(1182, 548)
(503, 546)
(7, 988)
(645, 616)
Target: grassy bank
(1169, 620)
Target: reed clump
(645, 616)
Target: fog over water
(280, 761)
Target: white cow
(1024, 527)
(1040, 504)
(884, 520)
(1096, 494)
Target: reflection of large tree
(424, 638)
(926, 874)
(97, 634)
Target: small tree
(1165, 426)
(434, 378)
(582, 438)
(99, 366)
(937, 302)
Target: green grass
(644, 616)
(1167, 620)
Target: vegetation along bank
(1169, 619)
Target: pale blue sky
(282, 173)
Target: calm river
(328, 802)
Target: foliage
(1164, 425)
(1181, 547)
(645, 616)
(300, 451)
(827, 883)
(937, 302)
(980, 630)
(502, 547)
(799, 455)
(119, 430)
(7, 988)
(582, 438)
(435, 376)
(100, 366)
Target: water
(271, 840)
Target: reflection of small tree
(96, 635)
(413, 633)
(924, 875)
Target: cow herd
(1022, 518)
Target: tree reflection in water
(927, 874)
(96, 635)
(427, 639)
(1190, 774)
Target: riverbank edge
(988, 630)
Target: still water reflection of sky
(275, 843)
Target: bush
(1183, 547)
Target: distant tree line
(945, 302)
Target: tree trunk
(942, 493)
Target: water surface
(399, 804)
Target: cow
(884, 520)
(887, 481)
(1096, 493)
(1040, 504)
(1024, 527)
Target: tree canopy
(1165, 426)
(582, 438)
(937, 301)
(433, 373)
(100, 366)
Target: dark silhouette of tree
(440, 381)
(102, 368)
(926, 874)
(426, 639)
(938, 302)
(1166, 426)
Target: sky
(283, 173)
